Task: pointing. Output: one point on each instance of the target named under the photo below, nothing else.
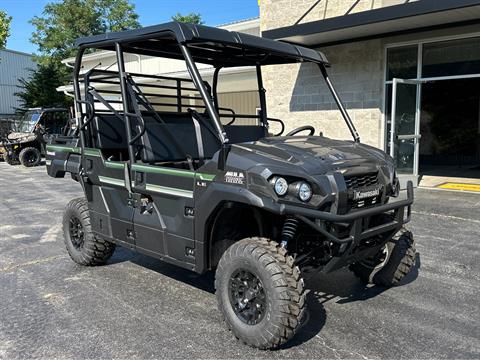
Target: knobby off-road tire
(390, 267)
(279, 296)
(82, 245)
(9, 160)
(30, 157)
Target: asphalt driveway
(137, 307)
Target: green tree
(4, 28)
(63, 22)
(193, 18)
(40, 90)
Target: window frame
(420, 44)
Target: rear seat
(171, 141)
(110, 137)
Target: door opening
(450, 129)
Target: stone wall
(297, 93)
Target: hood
(21, 136)
(315, 154)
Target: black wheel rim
(247, 297)
(377, 261)
(76, 232)
(31, 157)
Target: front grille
(361, 181)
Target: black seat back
(109, 132)
(171, 140)
(244, 133)
(174, 139)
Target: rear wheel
(30, 156)
(260, 292)
(83, 246)
(391, 264)
(9, 160)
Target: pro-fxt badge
(235, 177)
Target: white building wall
(13, 66)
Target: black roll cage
(211, 102)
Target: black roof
(234, 48)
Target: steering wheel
(302, 128)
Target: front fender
(209, 201)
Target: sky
(214, 12)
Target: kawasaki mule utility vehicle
(171, 170)
(37, 126)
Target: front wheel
(391, 264)
(30, 156)
(260, 292)
(83, 246)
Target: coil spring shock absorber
(289, 230)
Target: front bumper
(349, 246)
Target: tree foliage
(40, 90)
(63, 22)
(4, 28)
(193, 18)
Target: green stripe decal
(112, 181)
(163, 170)
(63, 148)
(169, 191)
(92, 152)
(137, 167)
(88, 151)
(174, 172)
(114, 165)
(207, 177)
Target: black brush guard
(350, 250)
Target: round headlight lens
(304, 191)
(281, 186)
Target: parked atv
(27, 144)
(167, 172)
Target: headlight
(280, 186)
(304, 191)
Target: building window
(449, 58)
(402, 62)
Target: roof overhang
(421, 15)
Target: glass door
(405, 129)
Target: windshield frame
(27, 122)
